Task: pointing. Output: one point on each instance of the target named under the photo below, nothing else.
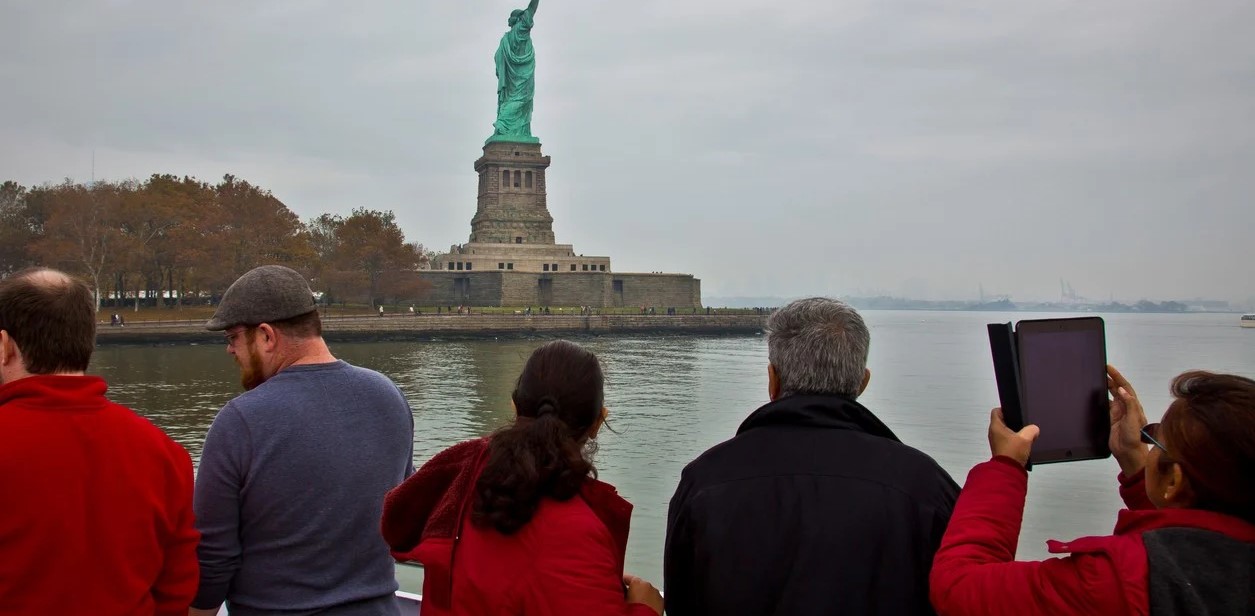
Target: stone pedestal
(512, 258)
(512, 206)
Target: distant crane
(1067, 293)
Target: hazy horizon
(921, 149)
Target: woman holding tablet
(1186, 545)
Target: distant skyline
(812, 147)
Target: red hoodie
(96, 509)
(975, 572)
(567, 560)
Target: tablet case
(1007, 373)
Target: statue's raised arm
(531, 7)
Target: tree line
(171, 241)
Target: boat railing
(408, 602)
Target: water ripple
(671, 397)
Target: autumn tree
(168, 220)
(366, 255)
(324, 241)
(180, 238)
(18, 230)
(249, 227)
(80, 233)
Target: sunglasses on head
(1149, 434)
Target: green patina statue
(516, 79)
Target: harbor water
(671, 397)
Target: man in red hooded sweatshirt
(97, 501)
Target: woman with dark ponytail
(517, 523)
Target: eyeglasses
(231, 336)
(1149, 432)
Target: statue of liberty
(516, 79)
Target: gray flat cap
(263, 295)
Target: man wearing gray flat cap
(293, 474)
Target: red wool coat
(975, 572)
(567, 560)
(96, 509)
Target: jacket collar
(818, 411)
(1138, 521)
(422, 517)
(430, 503)
(55, 391)
(1131, 521)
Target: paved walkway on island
(429, 326)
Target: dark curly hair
(1210, 431)
(558, 398)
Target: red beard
(251, 372)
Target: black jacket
(815, 507)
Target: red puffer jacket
(975, 571)
(567, 560)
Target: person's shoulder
(331, 376)
(243, 413)
(749, 448)
(713, 455)
(357, 370)
(912, 457)
(458, 455)
(910, 468)
(250, 401)
(717, 462)
(146, 431)
(570, 525)
(127, 416)
(368, 376)
(848, 454)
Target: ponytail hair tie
(547, 405)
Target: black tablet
(1061, 368)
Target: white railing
(409, 603)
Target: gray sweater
(290, 492)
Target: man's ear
(267, 337)
(867, 378)
(10, 353)
(10, 357)
(773, 383)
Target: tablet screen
(1063, 375)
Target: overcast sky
(777, 148)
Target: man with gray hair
(815, 506)
(294, 471)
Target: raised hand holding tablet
(1053, 373)
(1004, 441)
(1127, 421)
